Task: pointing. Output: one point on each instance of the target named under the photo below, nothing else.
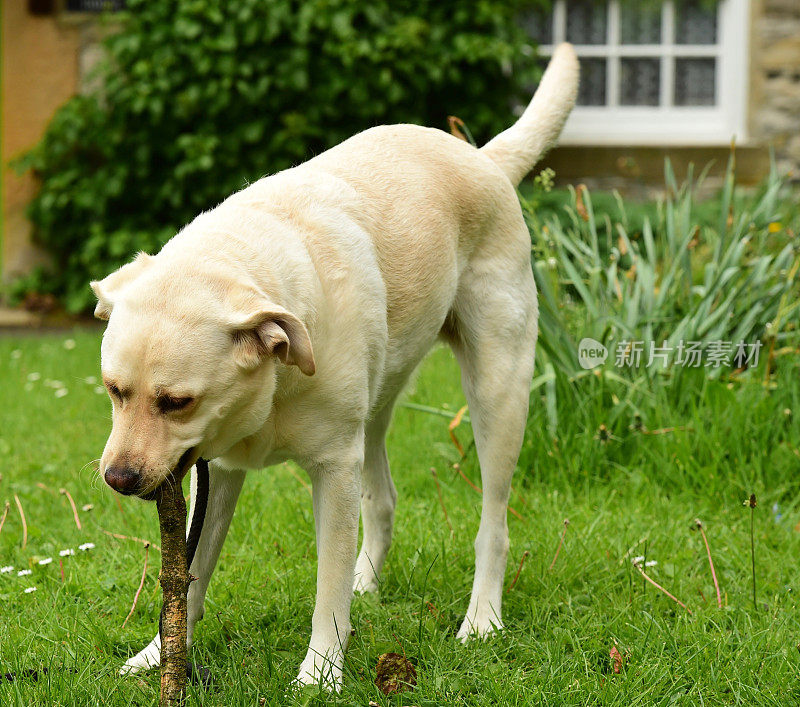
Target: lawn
(635, 493)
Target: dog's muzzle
(128, 481)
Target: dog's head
(188, 359)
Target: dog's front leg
(336, 497)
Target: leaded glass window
(678, 67)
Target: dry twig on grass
(519, 570)
(141, 584)
(24, 523)
(699, 525)
(5, 513)
(119, 536)
(66, 493)
(560, 543)
(638, 566)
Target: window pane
(538, 24)
(695, 82)
(640, 24)
(592, 90)
(695, 22)
(640, 82)
(586, 21)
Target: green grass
(637, 492)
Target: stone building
(677, 78)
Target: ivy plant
(200, 97)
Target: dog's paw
(481, 625)
(321, 670)
(148, 657)
(365, 584)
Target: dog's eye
(167, 403)
(115, 391)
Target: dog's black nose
(122, 479)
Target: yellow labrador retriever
(284, 323)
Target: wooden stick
(174, 579)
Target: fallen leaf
(617, 658)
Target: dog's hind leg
(223, 492)
(378, 499)
(494, 342)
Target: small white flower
(66, 553)
(53, 383)
(552, 263)
(61, 392)
(30, 590)
(16, 353)
(46, 561)
(86, 546)
(69, 344)
(6, 569)
(638, 560)
(87, 507)
(651, 563)
(24, 573)
(29, 387)
(90, 380)
(35, 376)
(100, 390)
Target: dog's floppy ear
(104, 289)
(271, 330)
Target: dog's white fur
(294, 312)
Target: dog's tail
(520, 147)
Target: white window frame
(666, 124)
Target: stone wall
(775, 80)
